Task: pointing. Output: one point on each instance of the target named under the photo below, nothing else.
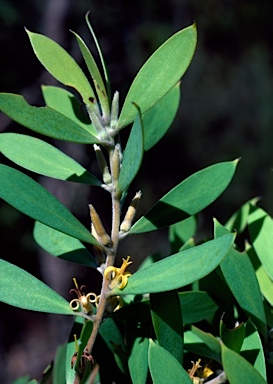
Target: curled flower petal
(83, 301)
(108, 270)
(71, 304)
(119, 277)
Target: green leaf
(71, 348)
(44, 120)
(252, 348)
(112, 337)
(95, 73)
(22, 380)
(138, 360)
(167, 322)
(232, 338)
(159, 74)
(178, 270)
(40, 157)
(239, 219)
(164, 367)
(61, 65)
(241, 279)
(211, 341)
(265, 283)
(132, 156)
(157, 120)
(111, 334)
(189, 244)
(82, 341)
(58, 375)
(20, 289)
(239, 370)
(63, 246)
(261, 228)
(201, 343)
(196, 306)
(103, 64)
(29, 197)
(181, 232)
(47, 374)
(187, 198)
(68, 105)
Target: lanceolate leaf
(232, 338)
(58, 374)
(61, 65)
(112, 338)
(196, 306)
(103, 64)
(132, 156)
(22, 380)
(210, 341)
(31, 198)
(241, 279)
(201, 343)
(95, 73)
(261, 229)
(159, 74)
(44, 120)
(63, 246)
(21, 289)
(167, 322)
(178, 270)
(164, 367)
(138, 360)
(239, 370)
(85, 334)
(265, 283)
(187, 198)
(182, 232)
(239, 219)
(158, 119)
(71, 348)
(41, 157)
(252, 348)
(68, 105)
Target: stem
(77, 379)
(110, 255)
(114, 159)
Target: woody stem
(111, 253)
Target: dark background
(226, 112)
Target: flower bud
(101, 234)
(102, 164)
(130, 214)
(115, 169)
(114, 111)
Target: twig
(110, 253)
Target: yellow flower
(114, 303)
(83, 301)
(118, 277)
(201, 374)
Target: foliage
(207, 302)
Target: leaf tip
(28, 31)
